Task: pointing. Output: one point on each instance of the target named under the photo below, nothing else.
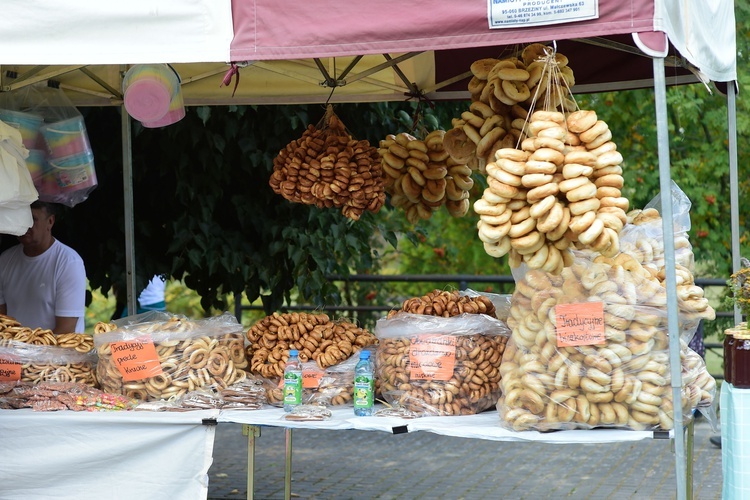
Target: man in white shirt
(43, 281)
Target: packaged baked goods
(316, 337)
(435, 365)
(35, 364)
(54, 396)
(590, 348)
(168, 358)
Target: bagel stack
(502, 92)
(421, 176)
(622, 382)
(563, 190)
(327, 168)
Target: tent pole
(127, 181)
(734, 196)
(665, 183)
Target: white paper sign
(523, 13)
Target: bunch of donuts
(315, 336)
(474, 383)
(622, 382)
(502, 92)
(561, 190)
(420, 176)
(191, 355)
(327, 168)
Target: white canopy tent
(369, 51)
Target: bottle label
(292, 388)
(363, 391)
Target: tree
(204, 210)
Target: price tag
(10, 371)
(311, 378)
(432, 357)
(136, 359)
(580, 324)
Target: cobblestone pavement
(369, 464)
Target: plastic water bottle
(292, 381)
(364, 385)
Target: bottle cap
(364, 355)
(293, 352)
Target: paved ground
(360, 464)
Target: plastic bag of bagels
(434, 365)
(643, 238)
(167, 358)
(41, 363)
(589, 348)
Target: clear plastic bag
(42, 363)
(440, 366)
(54, 132)
(187, 355)
(618, 376)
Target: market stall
(268, 41)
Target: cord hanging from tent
(421, 100)
(234, 70)
(326, 105)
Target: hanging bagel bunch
(561, 190)
(420, 176)
(328, 168)
(502, 92)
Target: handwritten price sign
(580, 324)
(432, 357)
(136, 359)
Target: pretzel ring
(516, 90)
(217, 363)
(136, 391)
(198, 358)
(512, 154)
(593, 132)
(160, 382)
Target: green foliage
(205, 213)
(699, 160)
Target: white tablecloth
(113, 455)
(482, 426)
(735, 441)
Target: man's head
(39, 236)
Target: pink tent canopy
(337, 28)
(694, 37)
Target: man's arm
(64, 325)
(3, 309)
